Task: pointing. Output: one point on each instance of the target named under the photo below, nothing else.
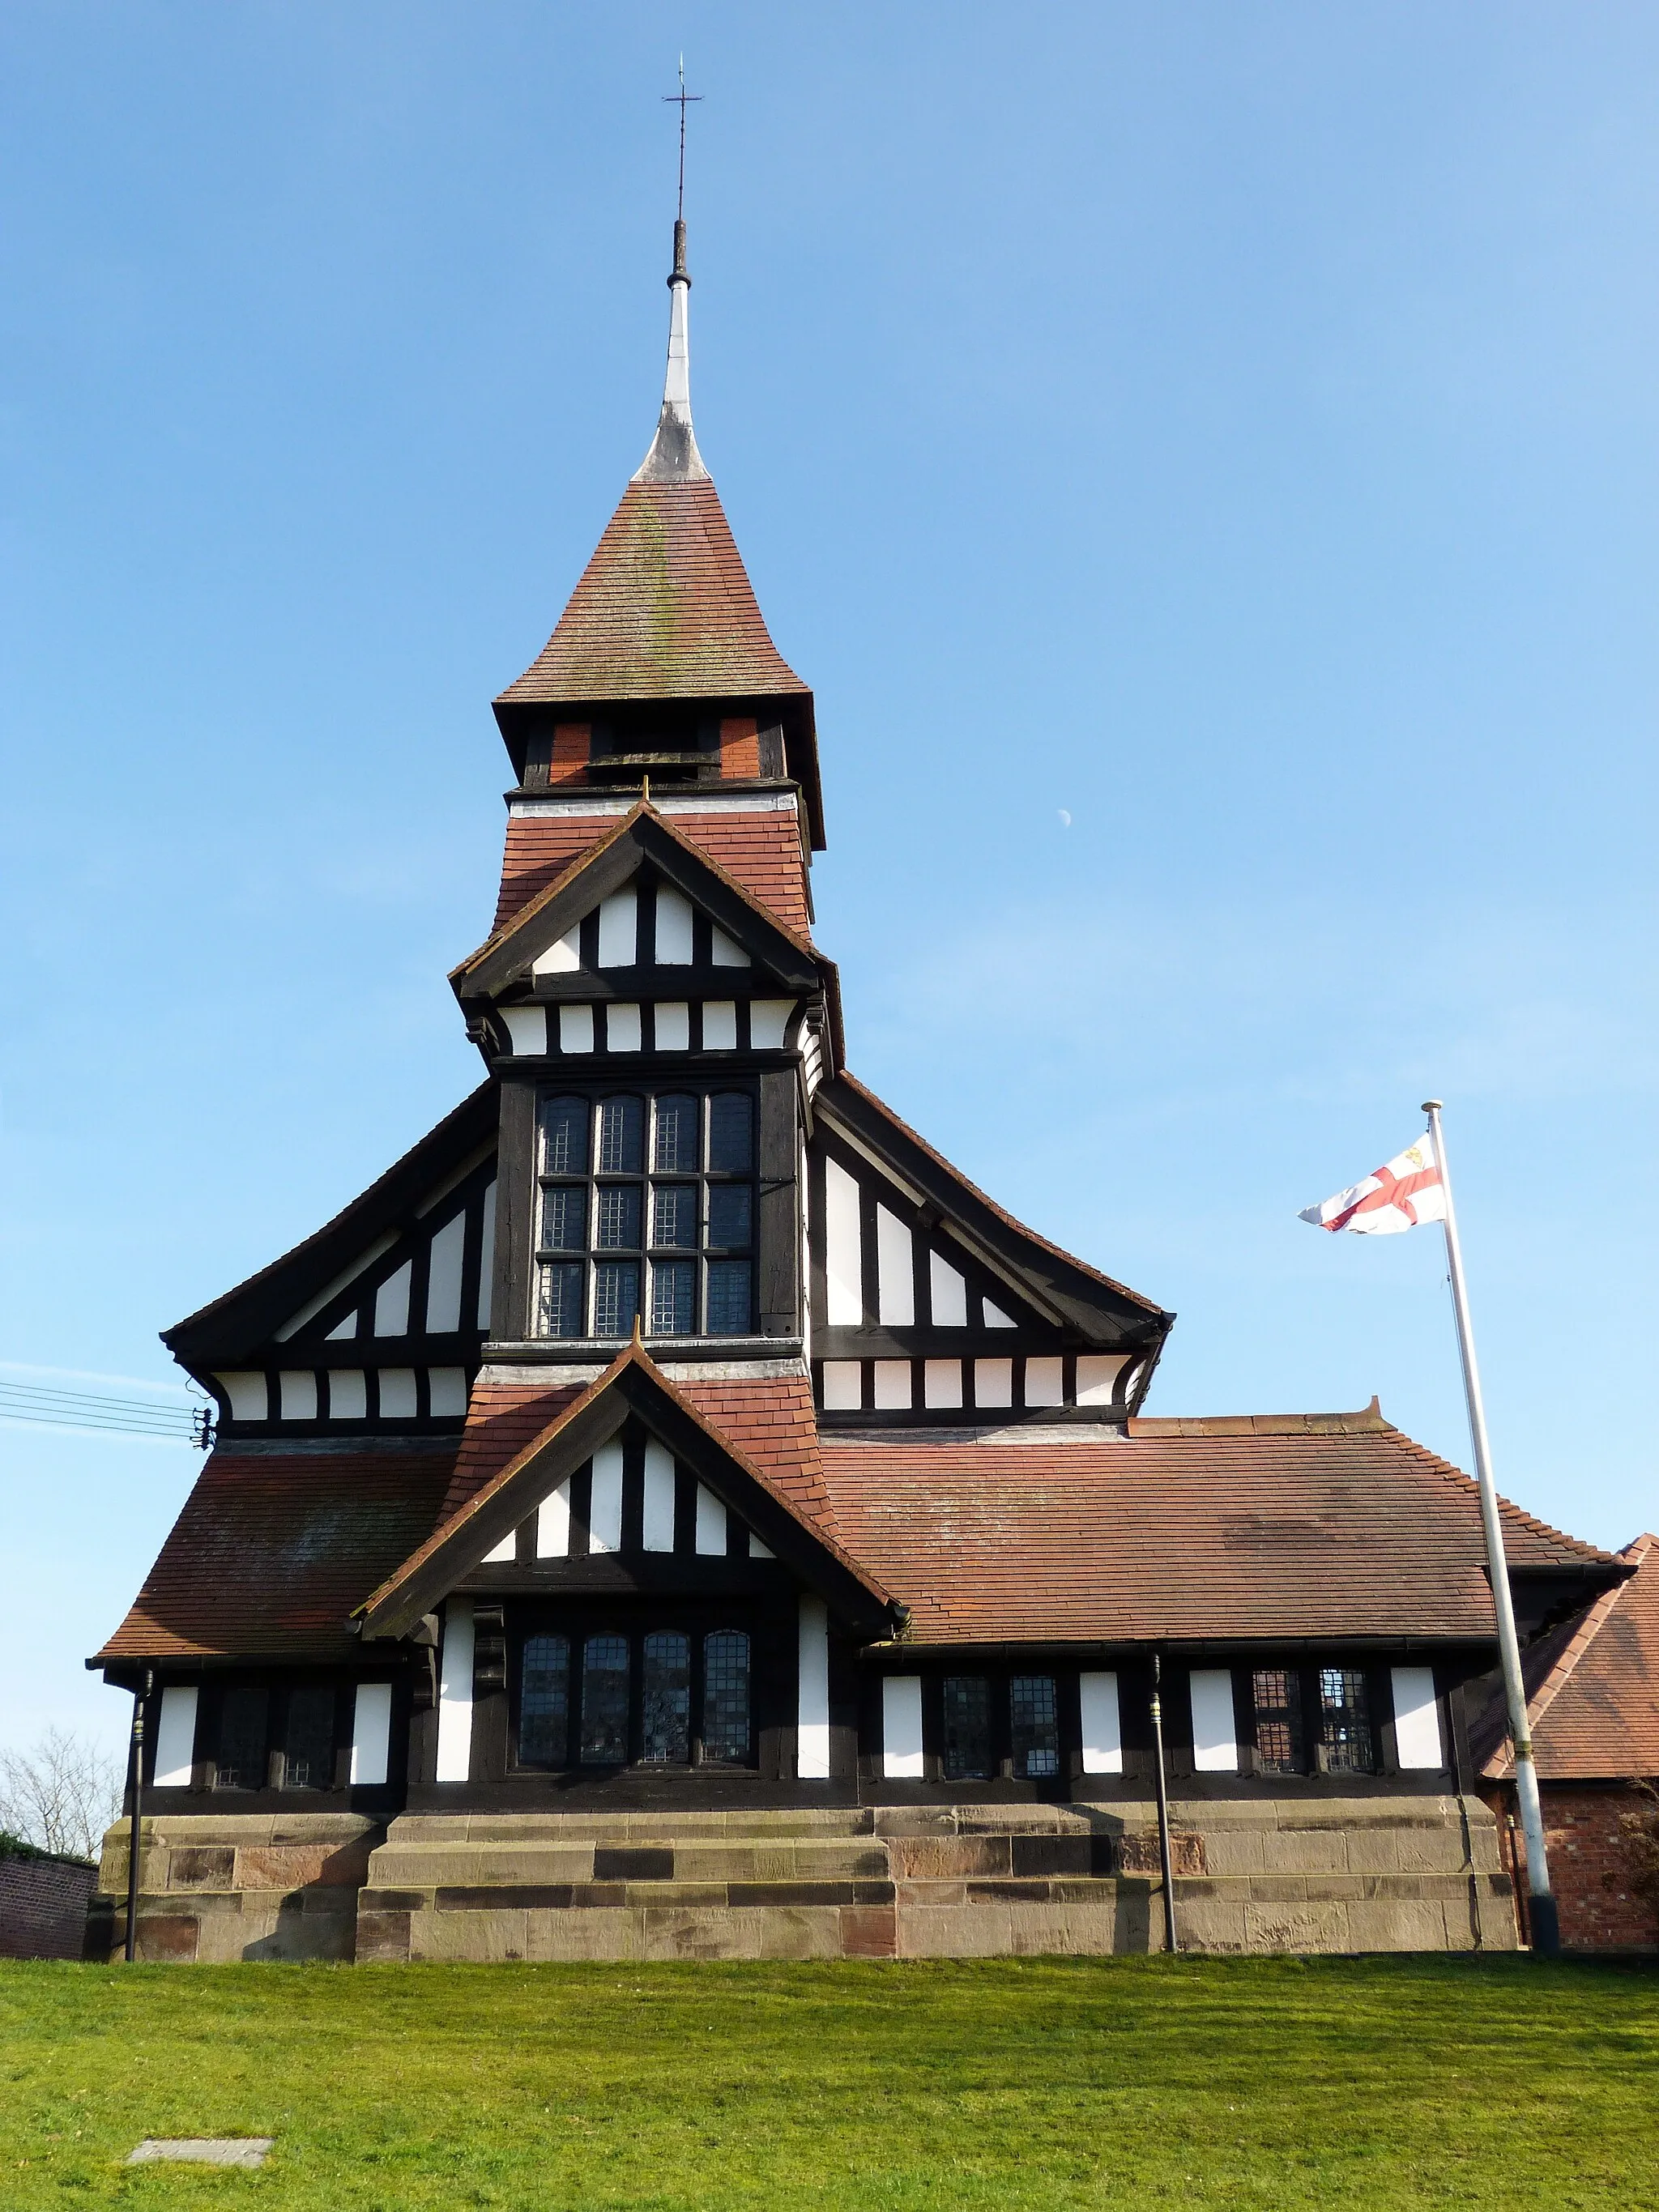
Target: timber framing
(632, 1384)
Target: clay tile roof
(769, 1421)
(665, 609)
(275, 1549)
(1593, 1686)
(760, 851)
(1274, 1530)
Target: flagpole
(1541, 1915)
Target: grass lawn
(1006, 2082)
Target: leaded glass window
(243, 1720)
(665, 1700)
(966, 1749)
(1276, 1694)
(1034, 1720)
(725, 1696)
(1345, 1721)
(309, 1738)
(545, 1701)
(646, 1208)
(605, 1700)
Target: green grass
(1006, 2083)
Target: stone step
(400, 1865)
(632, 1826)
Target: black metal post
(1166, 1855)
(135, 1784)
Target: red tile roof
(761, 850)
(1594, 1687)
(770, 1421)
(1266, 1530)
(274, 1549)
(665, 609)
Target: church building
(674, 1513)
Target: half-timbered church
(673, 1512)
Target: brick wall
(1590, 1865)
(43, 1907)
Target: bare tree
(61, 1795)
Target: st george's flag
(1406, 1192)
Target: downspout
(136, 1758)
(1166, 1855)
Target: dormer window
(647, 1209)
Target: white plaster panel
(671, 1027)
(896, 1282)
(562, 957)
(622, 1029)
(553, 1525)
(1097, 1377)
(487, 1259)
(443, 1282)
(900, 1728)
(711, 1524)
(348, 1394)
(726, 953)
(993, 1381)
(455, 1693)
(941, 1382)
(344, 1331)
(843, 1248)
(526, 1030)
(1417, 1718)
(892, 1385)
(505, 1552)
(446, 1390)
(575, 1029)
(949, 1293)
(619, 929)
(812, 1692)
(1215, 1740)
(720, 1025)
(658, 1529)
(1103, 1728)
(398, 1400)
(769, 1023)
(371, 1733)
(843, 1386)
(995, 1318)
(604, 1512)
(297, 1393)
(757, 1550)
(391, 1302)
(250, 1399)
(673, 928)
(175, 1736)
(1045, 1382)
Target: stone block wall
(43, 1907)
(219, 1886)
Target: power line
(84, 1409)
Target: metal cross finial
(683, 99)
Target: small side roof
(1592, 1687)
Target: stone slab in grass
(204, 2150)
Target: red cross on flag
(1408, 1190)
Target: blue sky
(1203, 459)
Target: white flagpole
(1545, 1923)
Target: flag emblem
(1406, 1192)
